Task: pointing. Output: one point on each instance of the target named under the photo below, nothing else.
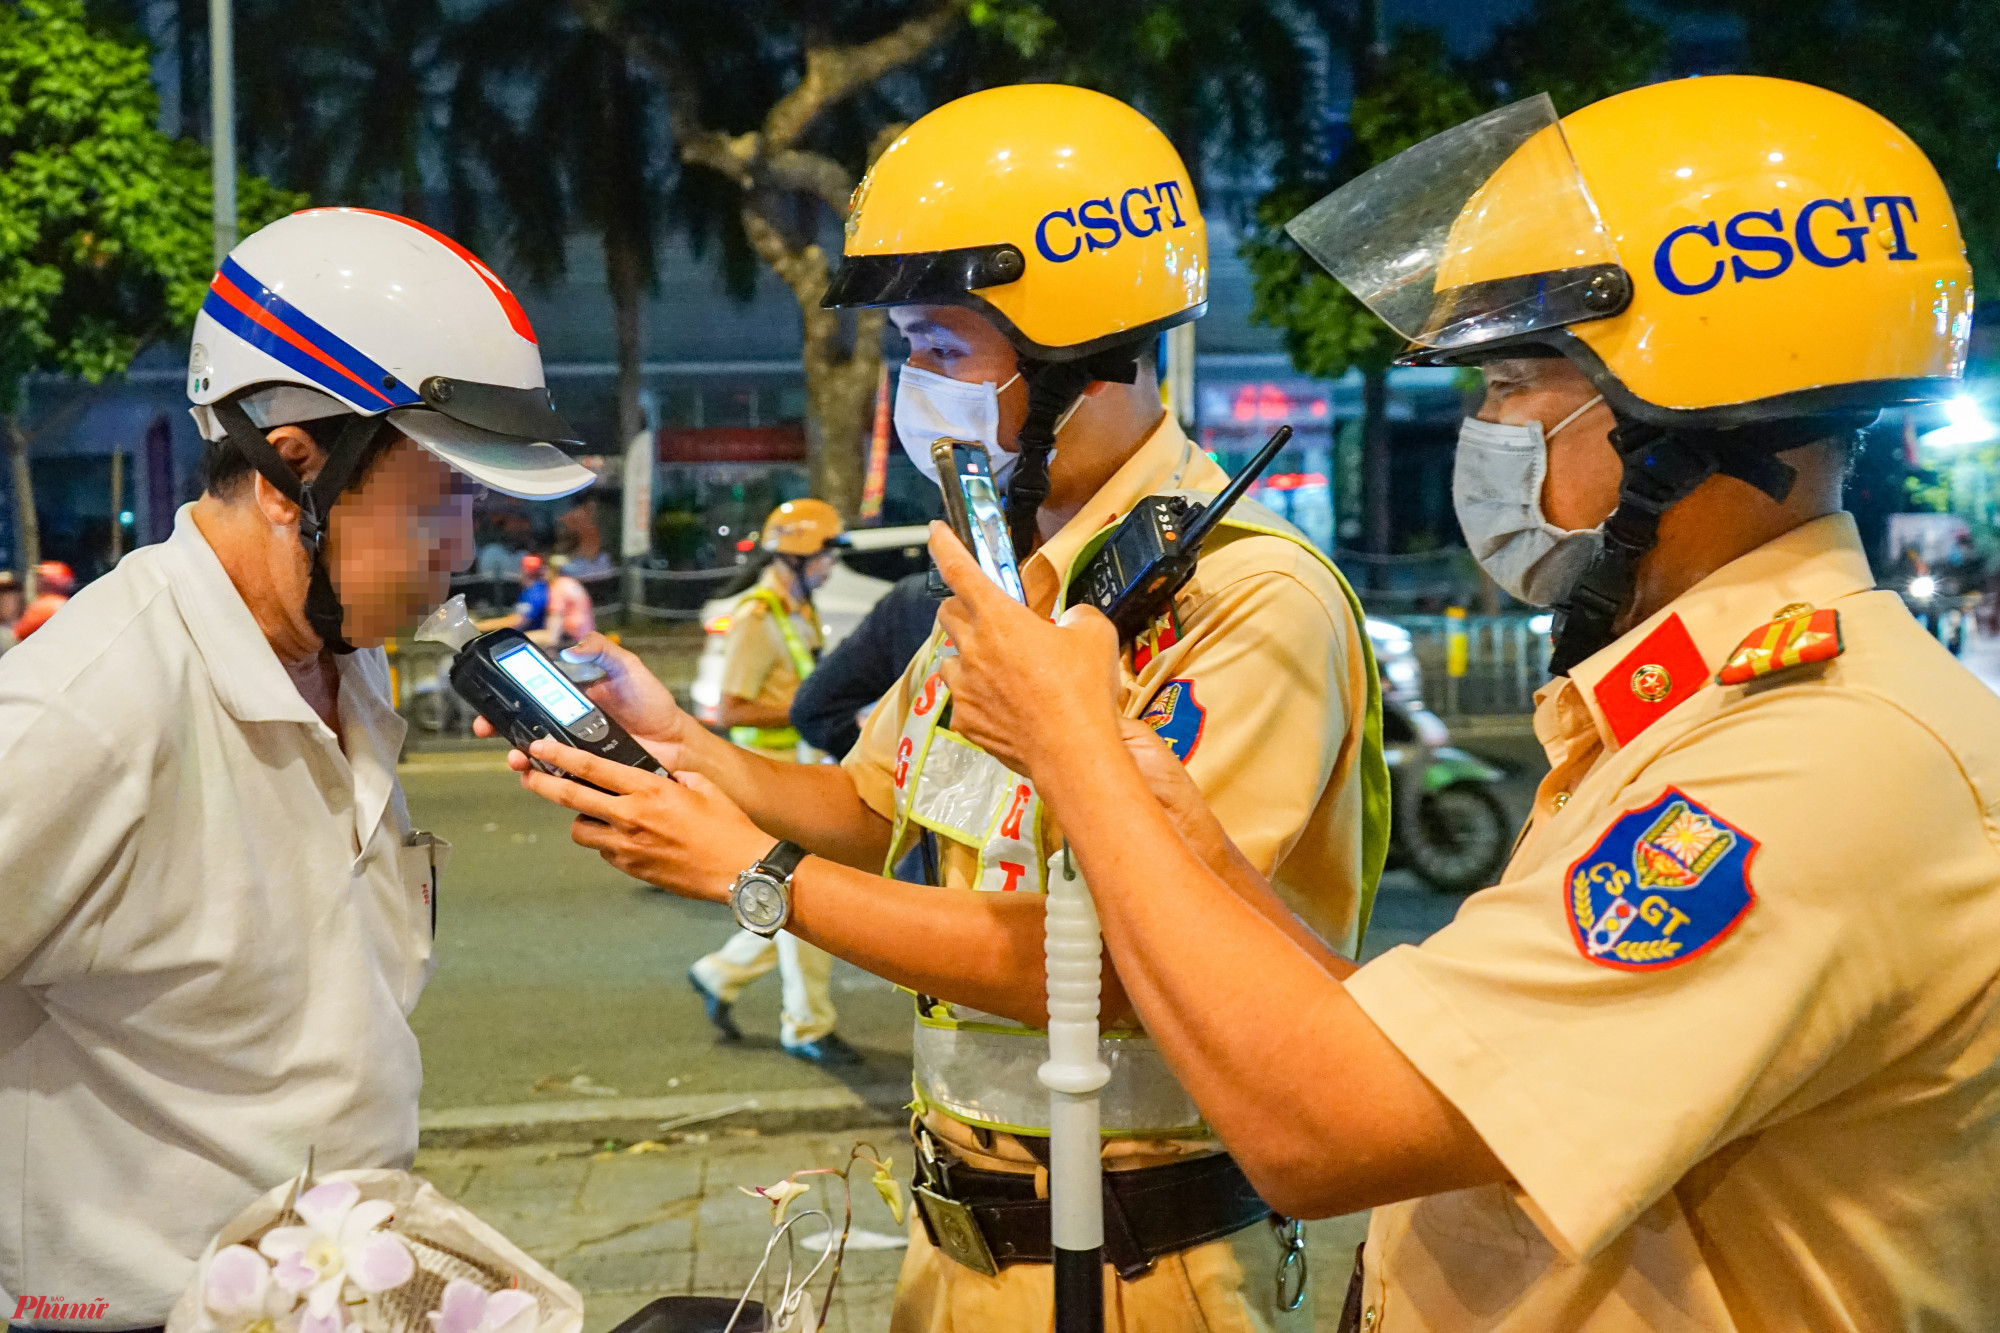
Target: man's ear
(1095, 387)
(303, 456)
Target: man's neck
(242, 544)
(1103, 442)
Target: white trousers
(805, 970)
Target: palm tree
(555, 130)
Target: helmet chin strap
(352, 449)
(1662, 468)
(1053, 389)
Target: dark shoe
(717, 1009)
(828, 1050)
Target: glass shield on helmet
(1482, 233)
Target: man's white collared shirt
(214, 922)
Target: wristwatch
(762, 898)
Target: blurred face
(961, 344)
(818, 569)
(395, 539)
(1581, 487)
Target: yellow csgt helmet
(1062, 215)
(801, 527)
(1713, 252)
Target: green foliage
(1576, 50)
(1417, 93)
(104, 221)
(1235, 84)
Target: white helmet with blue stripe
(349, 310)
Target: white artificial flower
(241, 1295)
(470, 1308)
(340, 1243)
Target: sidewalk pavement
(628, 1223)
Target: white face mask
(1496, 488)
(930, 406)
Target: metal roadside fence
(1480, 666)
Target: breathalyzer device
(1151, 556)
(972, 508)
(526, 697)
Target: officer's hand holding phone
(1022, 689)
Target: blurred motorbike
(1447, 825)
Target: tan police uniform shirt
(756, 664)
(1268, 716)
(1774, 1101)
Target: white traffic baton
(1073, 1074)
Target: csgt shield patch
(1663, 885)
(1177, 717)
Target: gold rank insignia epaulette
(1799, 637)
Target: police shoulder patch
(1176, 716)
(1664, 885)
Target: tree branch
(832, 72)
(814, 173)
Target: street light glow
(1969, 424)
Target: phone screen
(532, 672)
(990, 541)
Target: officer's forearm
(732, 711)
(1323, 1112)
(970, 947)
(813, 805)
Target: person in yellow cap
(1032, 243)
(774, 641)
(1721, 1049)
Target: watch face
(760, 903)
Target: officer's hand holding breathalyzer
(677, 833)
(633, 697)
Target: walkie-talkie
(1134, 577)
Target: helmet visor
(1481, 233)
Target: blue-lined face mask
(1496, 489)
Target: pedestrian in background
(773, 648)
(861, 668)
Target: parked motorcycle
(1447, 825)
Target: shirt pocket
(423, 857)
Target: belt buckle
(956, 1231)
(952, 1227)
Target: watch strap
(781, 861)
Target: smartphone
(972, 507)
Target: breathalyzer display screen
(989, 532)
(531, 670)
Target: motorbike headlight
(1923, 585)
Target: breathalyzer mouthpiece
(450, 625)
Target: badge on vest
(1662, 886)
(1178, 719)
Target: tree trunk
(840, 386)
(27, 533)
(1375, 470)
(840, 403)
(623, 268)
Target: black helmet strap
(1662, 468)
(1053, 388)
(356, 444)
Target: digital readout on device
(989, 527)
(531, 670)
